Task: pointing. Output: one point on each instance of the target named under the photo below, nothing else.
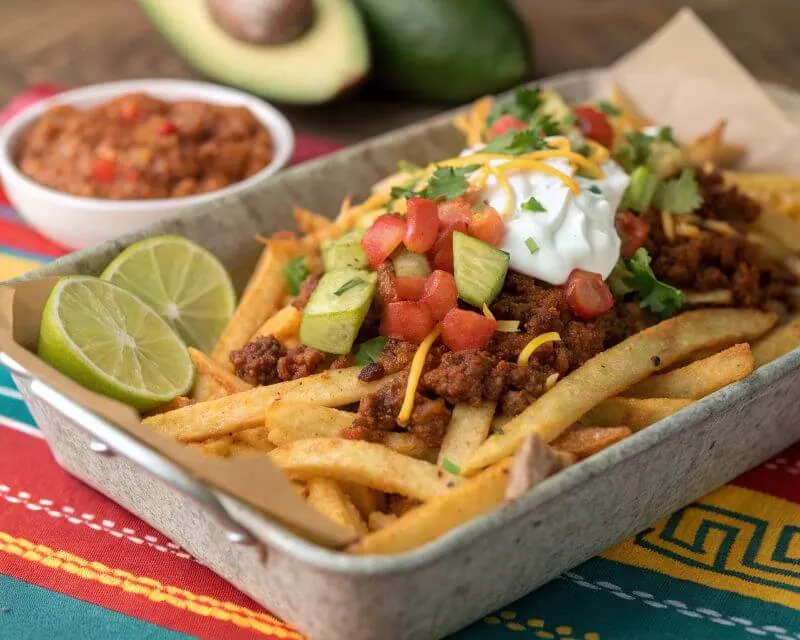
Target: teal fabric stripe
(5, 378)
(622, 602)
(11, 406)
(28, 612)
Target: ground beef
(387, 288)
(723, 202)
(623, 320)
(342, 362)
(429, 420)
(465, 376)
(306, 289)
(371, 371)
(299, 362)
(257, 361)
(396, 355)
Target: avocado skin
(446, 50)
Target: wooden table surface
(86, 41)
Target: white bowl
(80, 222)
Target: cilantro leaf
(619, 280)
(548, 125)
(448, 182)
(370, 350)
(402, 192)
(532, 205)
(659, 297)
(680, 195)
(526, 102)
(665, 135)
(294, 273)
(350, 284)
(606, 107)
(516, 142)
(635, 152)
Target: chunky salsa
(139, 147)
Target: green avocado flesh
(329, 58)
(446, 50)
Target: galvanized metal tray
(488, 562)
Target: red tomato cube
(422, 224)
(440, 293)
(409, 287)
(383, 237)
(463, 329)
(407, 320)
(487, 225)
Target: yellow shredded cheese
(534, 344)
(505, 186)
(508, 326)
(537, 165)
(487, 312)
(551, 380)
(414, 374)
(575, 158)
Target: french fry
(365, 499)
(630, 113)
(467, 430)
(328, 497)
(357, 461)
(283, 324)
(698, 379)
(260, 298)
(779, 227)
(721, 297)
(244, 410)
(780, 341)
(175, 403)
(219, 446)
(308, 221)
(378, 520)
(777, 191)
(256, 438)
(291, 421)
(205, 388)
(618, 368)
(583, 442)
(409, 445)
(637, 413)
(223, 379)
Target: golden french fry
(467, 430)
(721, 297)
(256, 438)
(777, 191)
(206, 388)
(308, 221)
(583, 442)
(284, 324)
(779, 227)
(637, 413)
(291, 421)
(260, 298)
(221, 377)
(409, 445)
(378, 520)
(365, 499)
(614, 370)
(328, 497)
(780, 341)
(175, 403)
(300, 487)
(219, 446)
(705, 148)
(698, 379)
(630, 113)
(361, 462)
(244, 410)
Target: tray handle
(109, 440)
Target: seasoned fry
(220, 446)
(630, 113)
(291, 421)
(260, 298)
(328, 497)
(467, 430)
(205, 388)
(175, 403)
(308, 221)
(221, 378)
(721, 297)
(365, 499)
(778, 191)
(257, 438)
(583, 442)
(698, 379)
(284, 324)
(614, 370)
(780, 341)
(779, 227)
(637, 413)
(243, 410)
(361, 462)
(378, 520)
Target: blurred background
(87, 41)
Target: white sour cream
(574, 231)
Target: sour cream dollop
(575, 231)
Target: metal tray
(471, 571)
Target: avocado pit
(262, 22)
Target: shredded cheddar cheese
(534, 344)
(505, 186)
(537, 165)
(414, 374)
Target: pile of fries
(399, 494)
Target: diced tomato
(463, 329)
(383, 237)
(409, 287)
(587, 295)
(104, 169)
(595, 125)
(407, 320)
(167, 128)
(129, 111)
(456, 210)
(440, 293)
(487, 225)
(632, 231)
(441, 255)
(422, 224)
(506, 122)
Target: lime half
(113, 343)
(183, 282)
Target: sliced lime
(113, 343)
(182, 281)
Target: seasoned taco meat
(306, 289)
(299, 362)
(257, 361)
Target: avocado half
(325, 61)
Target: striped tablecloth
(75, 565)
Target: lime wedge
(184, 283)
(113, 343)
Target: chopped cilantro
(294, 273)
(606, 107)
(531, 244)
(350, 284)
(526, 102)
(570, 120)
(665, 135)
(596, 190)
(532, 205)
(408, 167)
(446, 182)
(680, 195)
(370, 350)
(635, 152)
(635, 274)
(546, 124)
(402, 192)
(516, 142)
(450, 466)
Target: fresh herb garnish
(532, 205)
(516, 142)
(525, 103)
(450, 466)
(635, 152)
(445, 182)
(531, 244)
(596, 190)
(350, 284)
(402, 192)
(294, 273)
(680, 195)
(635, 274)
(570, 120)
(665, 135)
(370, 350)
(606, 107)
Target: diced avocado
(328, 58)
(480, 269)
(666, 159)
(344, 251)
(407, 263)
(639, 194)
(450, 50)
(336, 309)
